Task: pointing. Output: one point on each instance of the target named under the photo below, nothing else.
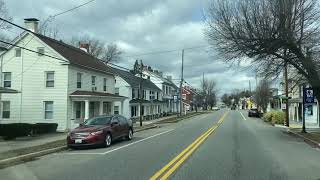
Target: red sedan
(101, 130)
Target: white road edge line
(121, 147)
(138, 141)
(243, 116)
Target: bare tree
(262, 94)
(47, 28)
(97, 48)
(271, 33)
(3, 25)
(208, 92)
(5, 15)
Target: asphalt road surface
(221, 145)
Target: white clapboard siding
(86, 84)
(124, 90)
(29, 71)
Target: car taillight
(96, 133)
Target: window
(116, 109)
(48, 109)
(40, 51)
(144, 94)
(50, 79)
(115, 119)
(93, 80)
(104, 84)
(7, 79)
(18, 52)
(133, 111)
(157, 95)
(6, 109)
(184, 96)
(167, 90)
(151, 95)
(122, 120)
(79, 80)
(116, 91)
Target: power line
(50, 18)
(166, 51)
(72, 8)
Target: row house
(57, 83)
(187, 98)
(149, 101)
(170, 91)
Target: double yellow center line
(175, 163)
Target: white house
(170, 91)
(57, 83)
(127, 84)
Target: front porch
(86, 104)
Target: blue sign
(308, 95)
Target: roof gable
(133, 80)
(75, 56)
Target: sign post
(308, 98)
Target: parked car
(253, 112)
(100, 130)
(215, 108)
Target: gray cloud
(140, 27)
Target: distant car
(216, 108)
(100, 130)
(253, 112)
(233, 107)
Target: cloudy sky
(139, 27)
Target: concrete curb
(178, 120)
(307, 140)
(27, 157)
(146, 128)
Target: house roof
(93, 93)
(7, 90)
(75, 55)
(165, 80)
(133, 80)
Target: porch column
(86, 109)
(121, 111)
(101, 108)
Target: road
(221, 145)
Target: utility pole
(181, 82)
(140, 94)
(286, 92)
(249, 85)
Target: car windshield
(98, 121)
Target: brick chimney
(31, 24)
(84, 47)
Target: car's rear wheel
(108, 140)
(130, 135)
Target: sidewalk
(294, 124)
(29, 141)
(137, 123)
